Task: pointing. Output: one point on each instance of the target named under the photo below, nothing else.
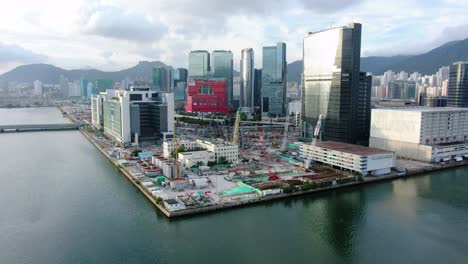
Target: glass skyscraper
(180, 84)
(458, 85)
(222, 68)
(274, 80)
(247, 77)
(162, 79)
(199, 64)
(332, 85)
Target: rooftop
(350, 148)
(171, 201)
(423, 109)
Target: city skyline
(159, 30)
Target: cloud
(113, 22)
(329, 5)
(11, 53)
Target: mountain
(376, 64)
(427, 63)
(51, 74)
(430, 62)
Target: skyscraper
(332, 85)
(162, 79)
(258, 89)
(199, 64)
(458, 85)
(64, 86)
(180, 84)
(247, 75)
(222, 68)
(274, 80)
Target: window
(205, 89)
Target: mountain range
(427, 63)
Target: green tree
(243, 117)
(135, 152)
(223, 160)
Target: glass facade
(332, 85)
(247, 77)
(199, 63)
(162, 79)
(458, 85)
(258, 88)
(222, 68)
(112, 118)
(274, 80)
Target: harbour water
(63, 202)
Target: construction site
(216, 165)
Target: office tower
(222, 68)
(163, 79)
(247, 77)
(84, 88)
(138, 115)
(458, 85)
(180, 84)
(258, 89)
(332, 84)
(199, 64)
(274, 80)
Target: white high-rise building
(134, 116)
(37, 87)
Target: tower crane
(235, 136)
(285, 135)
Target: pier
(39, 127)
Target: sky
(116, 34)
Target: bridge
(39, 127)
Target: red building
(207, 96)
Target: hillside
(51, 74)
(427, 63)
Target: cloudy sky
(116, 34)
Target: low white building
(168, 146)
(167, 166)
(347, 156)
(223, 149)
(193, 158)
(219, 149)
(173, 205)
(429, 134)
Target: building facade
(258, 89)
(223, 68)
(180, 84)
(274, 80)
(247, 81)
(356, 158)
(218, 149)
(458, 85)
(421, 133)
(199, 64)
(133, 116)
(331, 85)
(207, 96)
(163, 79)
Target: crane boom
(235, 137)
